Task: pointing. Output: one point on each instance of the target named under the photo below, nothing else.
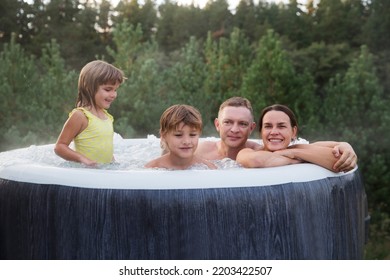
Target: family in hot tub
(90, 127)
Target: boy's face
(182, 141)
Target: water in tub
(128, 153)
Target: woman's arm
(254, 159)
(320, 155)
(315, 154)
(343, 151)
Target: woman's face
(276, 131)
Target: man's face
(234, 125)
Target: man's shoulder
(207, 145)
(253, 145)
(207, 149)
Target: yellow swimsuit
(96, 141)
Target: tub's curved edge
(162, 179)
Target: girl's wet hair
(93, 75)
(281, 108)
(177, 114)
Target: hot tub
(64, 211)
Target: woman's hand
(347, 158)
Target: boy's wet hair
(180, 113)
(93, 75)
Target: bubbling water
(129, 155)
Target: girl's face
(276, 131)
(183, 141)
(105, 95)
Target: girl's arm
(254, 159)
(75, 124)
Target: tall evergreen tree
(178, 23)
(338, 21)
(295, 24)
(271, 79)
(219, 17)
(357, 112)
(37, 96)
(104, 23)
(72, 23)
(15, 18)
(186, 79)
(245, 19)
(355, 106)
(323, 61)
(142, 97)
(377, 28)
(166, 35)
(227, 61)
(136, 13)
(148, 15)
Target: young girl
(89, 125)
(180, 129)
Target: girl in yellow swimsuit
(89, 125)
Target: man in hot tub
(235, 123)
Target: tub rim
(142, 178)
(165, 179)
